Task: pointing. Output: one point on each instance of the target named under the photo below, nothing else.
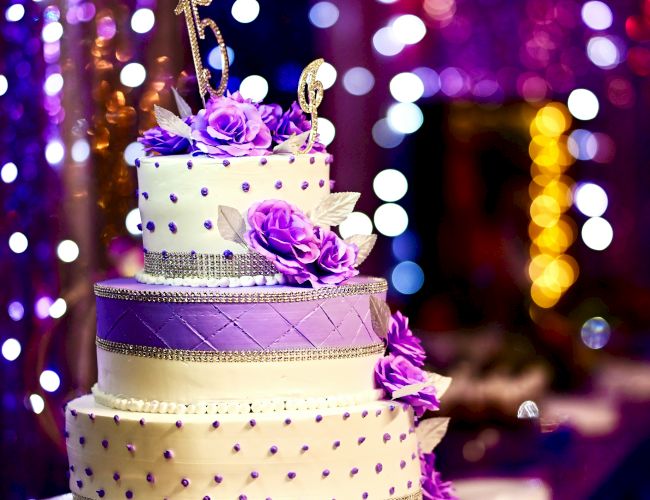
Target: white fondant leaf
(334, 209)
(293, 144)
(430, 432)
(365, 244)
(184, 109)
(409, 390)
(171, 123)
(440, 383)
(231, 224)
(379, 316)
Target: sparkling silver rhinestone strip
(160, 294)
(240, 356)
(413, 496)
(188, 265)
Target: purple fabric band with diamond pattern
(338, 321)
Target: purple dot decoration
(74, 413)
(218, 479)
(252, 422)
(142, 422)
(402, 436)
(100, 493)
(72, 468)
(137, 162)
(379, 468)
(116, 476)
(128, 494)
(386, 437)
(204, 191)
(312, 160)
(173, 198)
(273, 450)
(227, 254)
(130, 448)
(287, 421)
(82, 440)
(402, 464)
(255, 474)
(305, 447)
(150, 478)
(207, 224)
(413, 456)
(304, 185)
(326, 472)
(365, 494)
(321, 183)
(185, 482)
(346, 415)
(139, 226)
(190, 164)
(104, 443)
(216, 424)
(291, 474)
(164, 254)
(278, 184)
(263, 161)
(66, 434)
(151, 226)
(91, 416)
(354, 471)
(409, 484)
(336, 444)
(236, 447)
(226, 163)
(88, 471)
(168, 454)
(172, 227)
(179, 424)
(80, 483)
(145, 195)
(206, 497)
(319, 418)
(361, 440)
(377, 413)
(391, 490)
(292, 159)
(391, 407)
(364, 413)
(157, 165)
(245, 187)
(243, 497)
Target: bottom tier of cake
(367, 451)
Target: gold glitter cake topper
(310, 95)
(196, 25)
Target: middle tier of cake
(163, 349)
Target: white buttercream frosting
(231, 282)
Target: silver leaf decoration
(365, 244)
(438, 382)
(334, 209)
(293, 144)
(171, 123)
(184, 109)
(231, 225)
(430, 432)
(379, 316)
(409, 390)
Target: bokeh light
(528, 409)
(80, 150)
(391, 219)
(407, 277)
(597, 233)
(132, 221)
(327, 75)
(590, 199)
(583, 104)
(67, 251)
(386, 43)
(52, 32)
(582, 144)
(390, 185)
(49, 380)
(214, 57)
(385, 136)
(406, 246)
(595, 333)
(9, 172)
(42, 307)
(603, 52)
(37, 403)
(245, 11)
(14, 13)
(324, 14)
(355, 223)
(430, 79)
(408, 29)
(406, 87)
(54, 152)
(11, 349)
(53, 84)
(404, 117)
(254, 87)
(326, 131)
(16, 310)
(4, 84)
(18, 242)
(132, 152)
(358, 80)
(143, 20)
(133, 75)
(597, 15)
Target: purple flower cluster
(301, 251)
(401, 341)
(232, 126)
(433, 487)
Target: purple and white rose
(294, 122)
(158, 140)
(433, 487)
(401, 341)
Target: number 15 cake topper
(196, 27)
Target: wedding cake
(249, 359)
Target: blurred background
(502, 150)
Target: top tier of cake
(179, 198)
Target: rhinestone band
(413, 496)
(240, 356)
(159, 294)
(194, 265)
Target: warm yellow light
(537, 266)
(552, 120)
(545, 211)
(561, 191)
(543, 297)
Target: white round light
(131, 222)
(407, 277)
(42, 307)
(132, 152)
(49, 380)
(409, 29)
(245, 11)
(52, 32)
(391, 219)
(67, 251)
(9, 172)
(214, 57)
(406, 87)
(583, 104)
(390, 185)
(582, 144)
(11, 349)
(326, 131)
(597, 233)
(597, 15)
(80, 150)
(4, 85)
(404, 117)
(358, 81)
(355, 223)
(590, 199)
(18, 242)
(54, 152)
(58, 308)
(14, 13)
(16, 310)
(385, 42)
(254, 87)
(603, 52)
(326, 74)
(133, 75)
(143, 20)
(53, 84)
(385, 136)
(37, 403)
(324, 14)
(386, 1)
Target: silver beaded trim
(240, 356)
(413, 496)
(206, 266)
(160, 294)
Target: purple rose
(162, 142)
(294, 121)
(394, 372)
(336, 260)
(231, 126)
(433, 487)
(284, 235)
(271, 114)
(400, 340)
